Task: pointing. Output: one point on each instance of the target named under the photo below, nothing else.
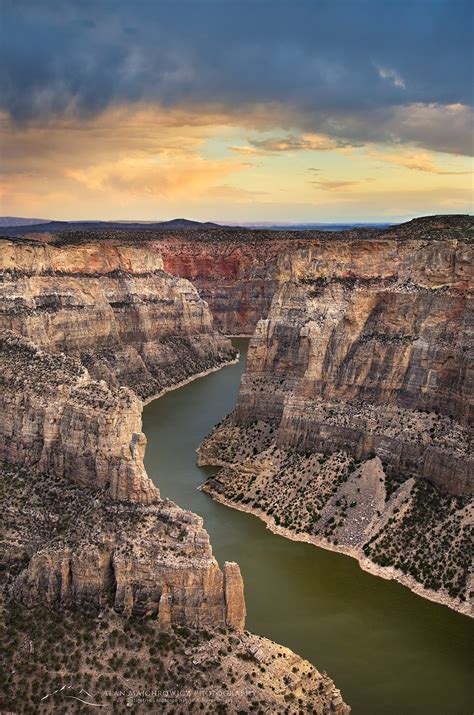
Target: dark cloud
(445, 128)
(343, 67)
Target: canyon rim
(236, 357)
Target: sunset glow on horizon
(239, 112)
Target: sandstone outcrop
(237, 270)
(366, 354)
(237, 277)
(76, 563)
(114, 308)
(370, 364)
(55, 418)
(124, 323)
(87, 331)
(84, 550)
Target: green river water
(389, 651)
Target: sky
(236, 110)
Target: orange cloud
(290, 143)
(149, 162)
(420, 161)
(149, 152)
(179, 177)
(335, 185)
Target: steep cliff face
(114, 308)
(91, 562)
(366, 354)
(237, 277)
(237, 270)
(371, 364)
(110, 541)
(85, 550)
(55, 418)
(79, 324)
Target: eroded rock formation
(107, 317)
(76, 563)
(366, 353)
(89, 331)
(55, 418)
(371, 363)
(327, 440)
(114, 308)
(238, 270)
(85, 550)
(236, 276)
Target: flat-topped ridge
(64, 233)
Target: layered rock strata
(91, 561)
(66, 412)
(84, 550)
(370, 363)
(366, 354)
(114, 308)
(89, 332)
(56, 418)
(237, 277)
(237, 271)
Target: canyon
(237, 270)
(352, 428)
(90, 332)
(114, 308)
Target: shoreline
(182, 383)
(387, 573)
(238, 335)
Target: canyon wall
(88, 332)
(353, 423)
(236, 276)
(55, 418)
(86, 550)
(237, 270)
(114, 308)
(368, 349)
(132, 593)
(358, 384)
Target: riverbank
(182, 383)
(387, 573)
(387, 649)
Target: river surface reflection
(389, 651)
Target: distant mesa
(313, 226)
(11, 225)
(17, 226)
(20, 226)
(12, 221)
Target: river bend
(388, 650)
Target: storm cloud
(356, 71)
